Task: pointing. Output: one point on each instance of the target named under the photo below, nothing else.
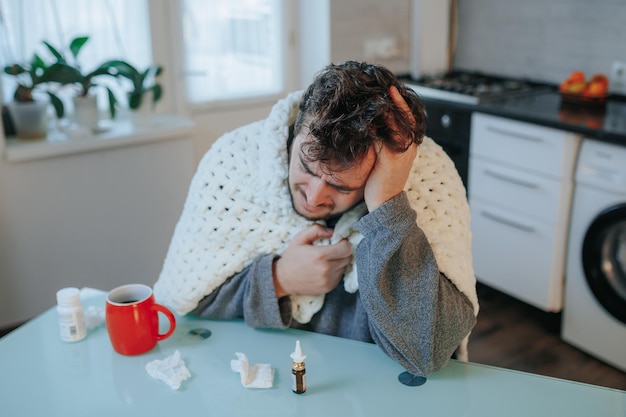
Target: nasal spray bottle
(297, 370)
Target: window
(116, 29)
(232, 49)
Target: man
(277, 208)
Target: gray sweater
(404, 304)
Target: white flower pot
(142, 116)
(86, 112)
(30, 119)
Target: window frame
(181, 102)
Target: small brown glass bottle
(298, 371)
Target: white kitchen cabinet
(520, 182)
(89, 212)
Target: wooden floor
(514, 335)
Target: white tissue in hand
(259, 375)
(171, 370)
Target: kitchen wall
(371, 30)
(407, 36)
(538, 39)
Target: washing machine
(594, 310)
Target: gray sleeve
(416, 315)
(250, 295)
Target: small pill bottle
(71, 315)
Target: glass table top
(42, 376)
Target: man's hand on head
(391, 169)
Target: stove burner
(470, 87)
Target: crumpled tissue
(171, 370)
(259, 375)
(94, 317)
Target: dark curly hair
(347, 110)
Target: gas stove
(471, 87)
(450, 124)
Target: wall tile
(538, 39)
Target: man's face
(317, 195)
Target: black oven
(449, 125)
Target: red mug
(132, 319)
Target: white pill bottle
(71, 315)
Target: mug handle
(170, 317)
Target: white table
(42, 376)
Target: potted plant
(142, 82)
(29, 114)
(145, 91)
(65, 72)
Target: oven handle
(512, 180)
(507, 222)
(514, 134)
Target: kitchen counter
(606, 123)
(538, 103)
(545, 107)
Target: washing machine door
(604, 260)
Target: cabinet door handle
(514, 134)
(513, 180)
(507, 222)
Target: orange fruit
(576, 87)
(576, 77)
(597, 87)
(574, 83)
(600, 78)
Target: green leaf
(149, 77)
(98, 71)
(15, 69)
(146, 74)
(112, 102)
(122, 68)
(157, 92)
(59, 108)
(63, 74)
(37, 62)
(77, 44)
(134, 100)
(55, 52)
(126, 70)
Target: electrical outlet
(385, 47)
(617, 79)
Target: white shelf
(121, 133)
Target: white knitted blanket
(239, 207)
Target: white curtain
(230, 48)
(116, 29)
